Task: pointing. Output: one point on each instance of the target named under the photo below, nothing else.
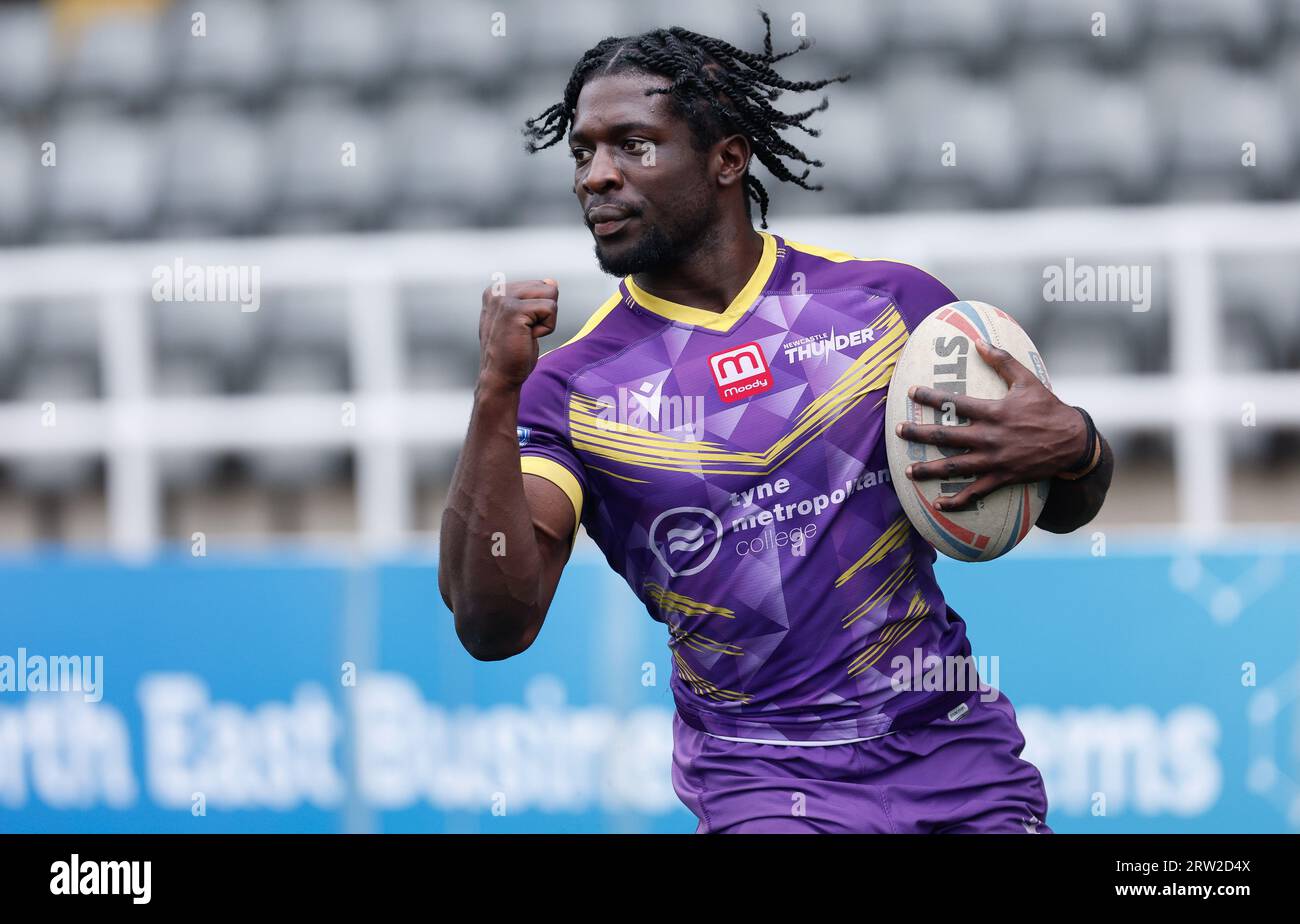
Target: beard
(663, 246)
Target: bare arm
(506, 536)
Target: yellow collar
(712, 320)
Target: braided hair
(718, 88)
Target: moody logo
(685, 539)
(740, 373)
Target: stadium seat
(307, 137)
(935, 110)
(432, 369)
(976, 32)
(314, 319)
(1231, 27)
(1075, 346)
(852, 37)
(553, 40)
(450, 157)
(1267, 288)
(345, 43)
(117, 56)
(27, 62)
(1206, 115)
(1066, 30)
(106, 179)
(543, 182)
(858, 153)
(1246, 345)
(19, 181)
(237, 55)
(216, 178)
(11, 346)
(298, 373)
(63, 327)
(187, 377)
(219, 331)
(736, 21)
(1091, 136)
(1285, 76)
(456, 41)
(52, 378)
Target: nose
(602, 172)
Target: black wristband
(1090, 446)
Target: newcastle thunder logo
(685, 539)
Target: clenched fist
(509, 327)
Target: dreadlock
(718, 88)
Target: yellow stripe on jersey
(597, 468)
(840, 256)
(712, 320)
(704, 687)
(559, 476)
(917, 612)
(882, 594)
(698, 642)
(634, 446)
(892, 538)
(670, 602)
(599, 315)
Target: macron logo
(741, 372)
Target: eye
(637, 145)
(578, 154)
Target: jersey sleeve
(915, 292)
(543, 431)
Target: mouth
(610, 228)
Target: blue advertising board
(1157, 692)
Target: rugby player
(763, 532)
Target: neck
(713, 274)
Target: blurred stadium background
(238, 508)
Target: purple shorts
(963, 776)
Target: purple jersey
(730, 466)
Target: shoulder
(915, 291)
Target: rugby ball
(941, 354)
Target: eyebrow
(622, 128)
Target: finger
(1012, 370)
(964, 405)
(981, 487)
(966, 463)
(539, 313)
(536, 288)
(940, 435)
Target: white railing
(131, 425)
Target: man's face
(645, 191)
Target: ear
(731, 157)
